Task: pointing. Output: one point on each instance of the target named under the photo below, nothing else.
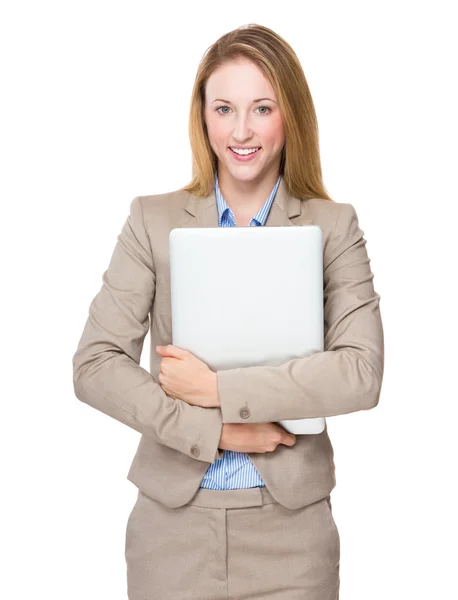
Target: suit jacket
(179, 440)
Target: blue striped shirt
(235, 469)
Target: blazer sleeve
(106, 370)
(347, 375)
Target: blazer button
(245, 413)
(195, 450)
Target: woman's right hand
(256, 437)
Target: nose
(242, 130)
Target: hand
(185, 377)
(254, 437)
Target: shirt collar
(225, 213)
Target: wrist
(213, 391)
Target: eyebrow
(229, 102)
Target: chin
(246, 176)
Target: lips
(244, 157)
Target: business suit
(179, 441)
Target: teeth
(244, 151)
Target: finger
(171, 393)
(171, 350)
(168, 364)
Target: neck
(246, 197)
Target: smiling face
(241, 110)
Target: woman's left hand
(185, 377)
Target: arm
(347, 376)
(106, 370)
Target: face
(241, 110)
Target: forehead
(238, 80)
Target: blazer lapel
(286, 210)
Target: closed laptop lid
(247, 296)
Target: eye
(218, 109)
(262, 113)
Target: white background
(94, 111)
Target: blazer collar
(203, 212)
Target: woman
(229, 504)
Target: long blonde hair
(300, 163)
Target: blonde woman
(230, 505)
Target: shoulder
(338, 221)
(328, 213)
(164, 202)
(152, 207)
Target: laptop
(249, 296)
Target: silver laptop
(248, 296)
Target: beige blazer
(179, 441)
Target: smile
(246, 156)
